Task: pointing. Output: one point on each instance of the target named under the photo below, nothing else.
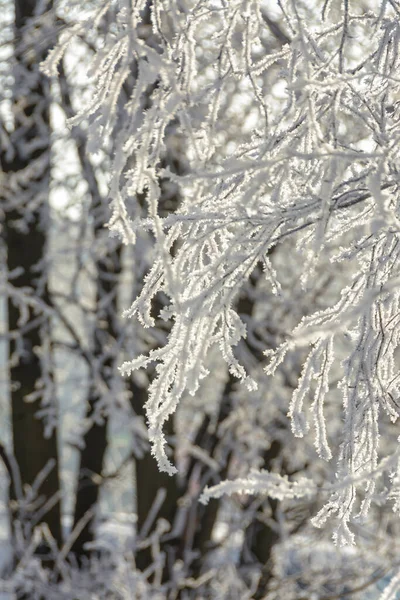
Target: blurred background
(85, 512)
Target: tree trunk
(105, 336)
(26, 173)
(149, 483)
(261, 535)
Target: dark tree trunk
(24, 195)
(150, 482)
(262, 535)
(91, 462)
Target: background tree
(245, 149)
(26, 161)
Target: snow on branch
(267, 146)
(262, 482)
